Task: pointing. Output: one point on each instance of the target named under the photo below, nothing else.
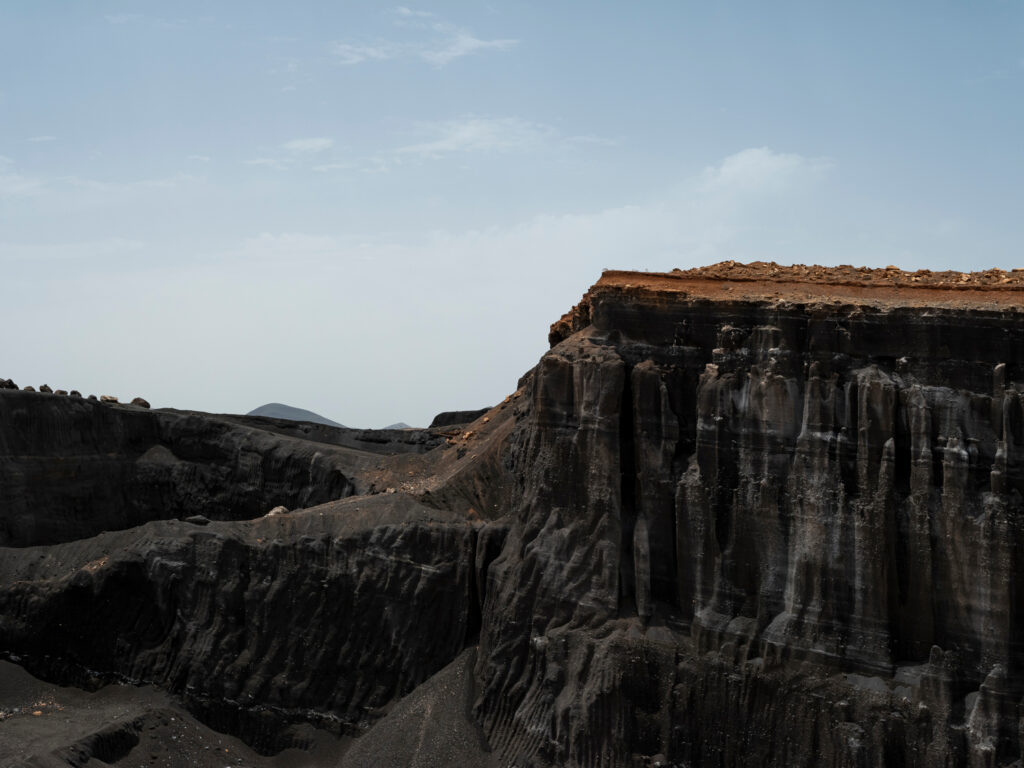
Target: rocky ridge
(742, 515)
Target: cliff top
(844, 275)
(759, 281)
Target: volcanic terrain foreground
(739, 516)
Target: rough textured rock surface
(72, 468)
(454, 418)
(764, 523)
(740, 516)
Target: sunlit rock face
(741, 516)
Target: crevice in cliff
(902, 466)
(627, 496)
(474, 596)
(848, 444)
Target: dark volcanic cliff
(736, 516)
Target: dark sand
(47, 726)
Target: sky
(375, 211)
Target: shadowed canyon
(744, 515)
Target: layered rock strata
(743, 515)
(766, 523)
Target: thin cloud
(462, 43)
(97, 185)
(351, 53)
(758, 168)
(410, 13)
(15, 184)
(293, 152)
(120, 19)
(483, 134)
(90, 250)
(268, 162)
(40, 139)
(19, 185)
(447, 42)
(596, 141)
(199, 158)
(333, 167)
(123, 18)
(308, 146)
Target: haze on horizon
(375, 211)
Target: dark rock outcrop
(742, 516)
(72, 468)
(456, 418)
(242, 618)
(756, 531)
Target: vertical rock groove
(731, 518)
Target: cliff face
(71, 468)
(765, 531)
(738, 516)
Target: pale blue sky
(374, 211)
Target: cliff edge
(744, 515)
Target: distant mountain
(282, 411)
(399, 425)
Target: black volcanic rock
(282, 411)
(72, 468)
(757, 530)
(456, 418)
(741, 516)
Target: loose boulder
(108, 399)
(7, 384)
(46, 388)
(140, 402)
(30, 388)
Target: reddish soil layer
(760, 281)
(731, 280)
(769, 279)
